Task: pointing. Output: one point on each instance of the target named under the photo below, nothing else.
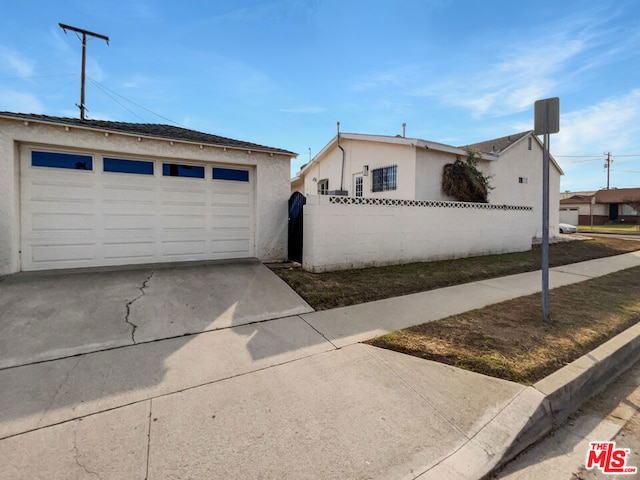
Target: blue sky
(283, 72)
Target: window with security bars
(383, 179)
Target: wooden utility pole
(608, 167)
(84, 58)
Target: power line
(137, 105)
(584, 156)
(586, 160)
(102, 89)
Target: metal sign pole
(547, 120)
(545, 229)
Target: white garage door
(82, 210)
(569, 215)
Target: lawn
(617, 228)
(509, 340)
(349, 287)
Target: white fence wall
(346, 232)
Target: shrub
(463, 180)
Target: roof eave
(148, 137)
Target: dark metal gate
(296, 204)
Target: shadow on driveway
(75, 343)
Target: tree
(464, 181)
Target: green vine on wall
(464, 181)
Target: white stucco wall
(518, 161)
(272, 178)
(329, 167)
(429, 169)
(9, 204)
(357, 154)
(338, 237)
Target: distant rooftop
(613, 195)
(156, 130)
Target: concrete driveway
(52, 315)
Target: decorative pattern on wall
(422, 203)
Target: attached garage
(88, 193)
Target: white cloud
(15, 62)
(611, 125)
(13, 101)
(513, 83)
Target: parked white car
(566, 228)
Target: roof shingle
(496, 145)
(168, 132)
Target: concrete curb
(535, 411)
(567, 389)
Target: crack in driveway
(76, 452)
(131, 302)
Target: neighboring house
(378, 166)
(86, 193)
(602, 206)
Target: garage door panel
(61, 253)
(230, 248)
(129, 224)
(183, 197)
(63, 192)
(231, 221)
(182, 247)
(231, 186)
(231, 211)
(61, 222)
(189, 224)
(130, 195)
(231, 199)
(141, 250)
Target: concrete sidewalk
(295, 397)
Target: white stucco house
(407, 172)
(85, 193)
(379, 166)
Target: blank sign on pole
(546, 121)
(549, 110)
